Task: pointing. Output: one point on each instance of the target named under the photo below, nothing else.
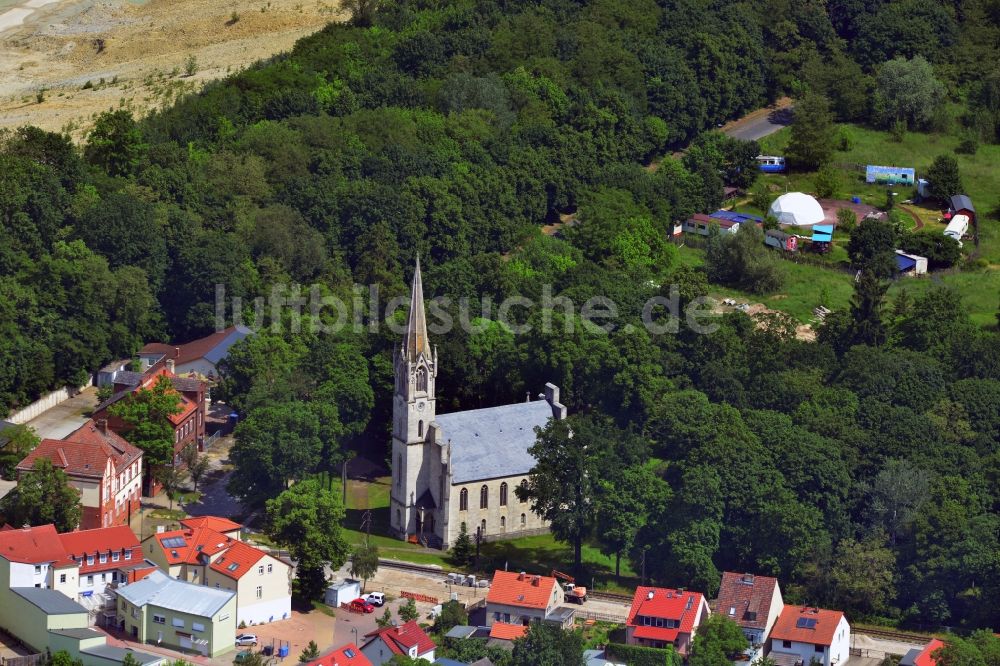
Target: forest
(862, 469)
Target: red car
(359, 605)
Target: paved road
(760, 123)
(65, 417)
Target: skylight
(234, 566)
(174, 542)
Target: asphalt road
(64, 418)
(759, 124)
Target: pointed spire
(416, 341)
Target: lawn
(980, 289)
(538, 554)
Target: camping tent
(798, 209)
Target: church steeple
(416, 341)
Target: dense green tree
(408, 611)
(862, 575)
(813, 132)
(306, 519)
(42, 496)
(548, 644)
(146, 414)
(623, 508)
(461, 550)
(16, 441)
(717, 641)
(907, 91)
(364, 562)
(116, 143)
(944, 178)
(742, 260)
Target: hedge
(635, 655)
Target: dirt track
(144, 53)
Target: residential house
(922, 656)
(262, 583)
(105, 468)
(107, 556)
(700, 223)
(223, 526)
(165, 611)
(803, 634)
(752, 602)
(522, 598)
(198, 358)
(37, 581)
(407, 639)
(662, 616)
(348, 655)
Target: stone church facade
(462, 467)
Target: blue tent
(822, 233)
(904, 263)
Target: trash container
(283, 651)
(856, 200)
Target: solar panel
(174, 542)
(806, 623)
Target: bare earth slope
(146, 46)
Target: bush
(898, 131)
(636, 655)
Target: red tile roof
(238, 559)
(786, 626)
(657, 633)
(524, 590)
(669, 604)
(507, 632)
(221, 525)
(102, 540)
(748, 596)
(33, 545)
(925, 657)
(84, 452)
(348, 655)
(400, 639)
(189, 351)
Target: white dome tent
(797, 209)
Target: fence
(871, 654)
(29, 660)
(418, 597)
(46, 402)
(601, 617)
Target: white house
(522, 598)
(803, 634)
(407, 639)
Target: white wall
(264, 611)
(23, 575)
(46, 402)
(198, 366)
(835, 655)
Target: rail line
(900, 636)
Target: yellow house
(201, 555)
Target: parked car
(246, 639)
(376, 599)
(242, 656)
(359, 605)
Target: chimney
(520, 576)
(536, 581)
(102, 425)
(170, 365)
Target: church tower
(414, 482)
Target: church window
(524, 520)
(420, 428)
(484, 497)
(503, 494)
(421, 378)
(503, 522)
(463, 500)
(524, 485)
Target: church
(463, 467)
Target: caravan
(771, 163)
(957, 227)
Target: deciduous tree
(43, 496)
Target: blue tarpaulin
(904, 263)
(822, 233)
(733, 216)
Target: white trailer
(957, 228)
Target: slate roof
(117, 654)
(962, 201)
(748, 596)
(493, 442)
(50, 601)
(821, 633)
(511, 588)
(161, 591)
(84, 452)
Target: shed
(961, 204)
(781, 240)
(343, 592)
(890, 175)
(797, 209)
(911, 263)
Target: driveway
(762, 122)
(364, 623)
(296, 632)
(65, 417)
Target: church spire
(416, 341)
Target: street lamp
(354, 630)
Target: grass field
(980, 287)
(538, 554)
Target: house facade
(105, 468)
(406, 639)
(199, 357)
(462, 467)
(662, 616)
(754, 603)
(521, 598)
(200, 555)
(803, 634)
(165, 611)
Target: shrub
(636, 655)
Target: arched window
(484, 497)
(420, 428)
(523, 520)
(524, 484)
(503, 522)
(421, 378)
(463, 500)
(503, 494)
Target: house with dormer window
(754, 603)
(662, 616)
(522, 598)
(201, 555)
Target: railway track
(900, 636)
